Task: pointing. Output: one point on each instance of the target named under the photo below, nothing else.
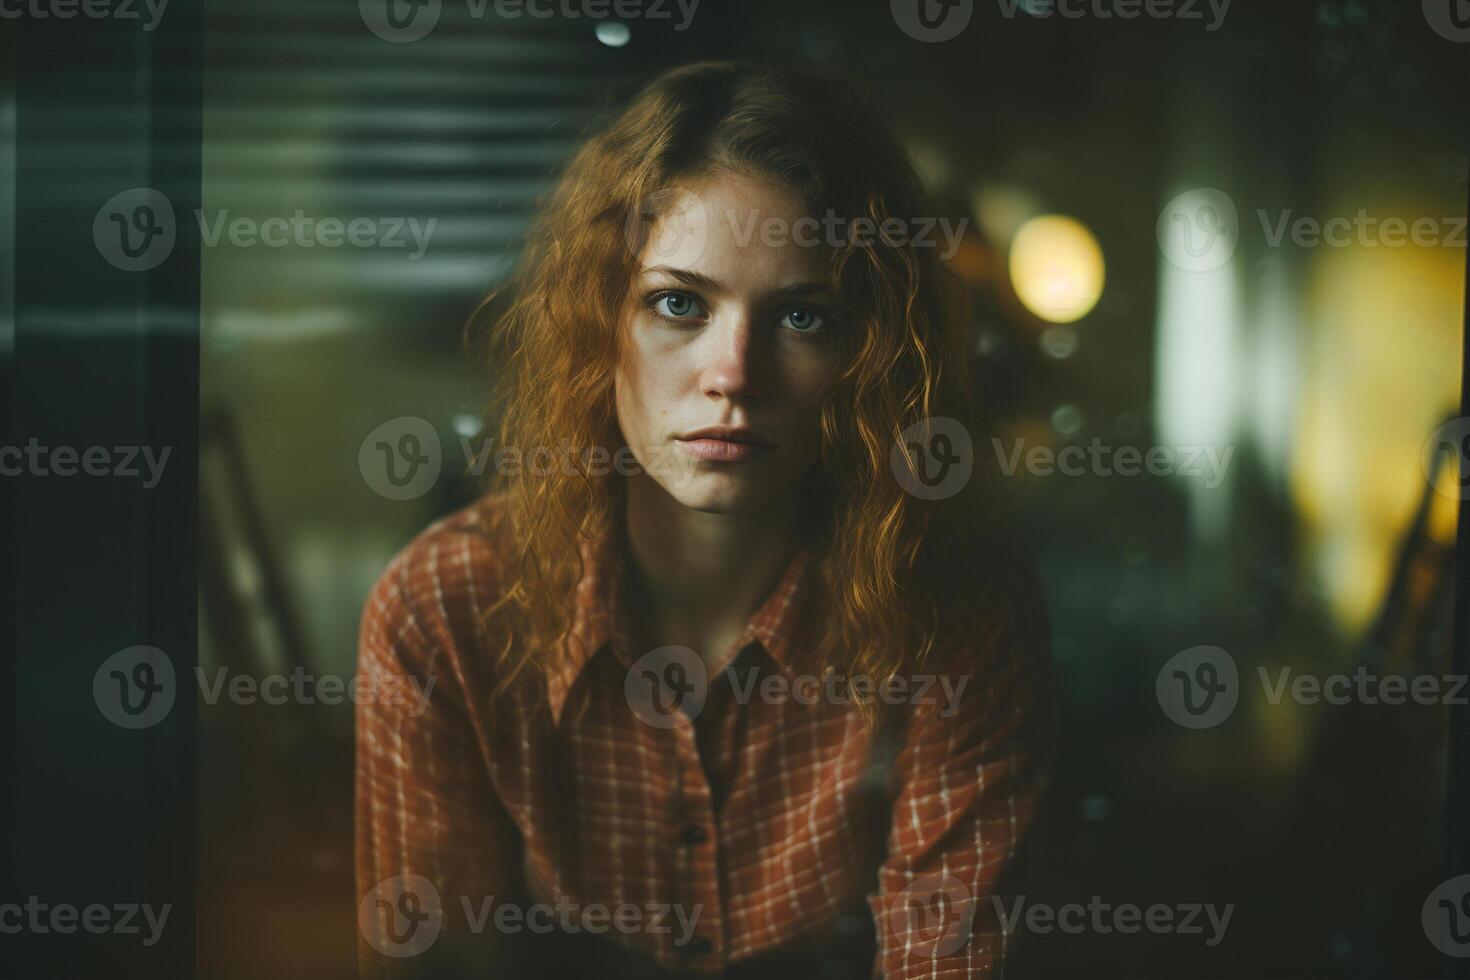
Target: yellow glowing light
(1056, 268)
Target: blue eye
(803, 319)
(676, 306)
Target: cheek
(806, 383)
(638, 385)
(629, 400)
(658, 370)
(808, 376)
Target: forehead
(748, 232)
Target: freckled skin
(737, 356)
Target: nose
(730, 369)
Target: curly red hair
(888, 558)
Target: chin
(723, 494)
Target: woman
(729, 675)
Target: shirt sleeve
(432, 837)
(970, 775)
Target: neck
(700, 576)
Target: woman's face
(728, 345)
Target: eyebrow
(699, 280)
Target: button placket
(696, 852)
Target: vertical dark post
(1457, 790)
(7, 484)
(101, 558)
(169, 413)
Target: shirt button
(698, 946)
(692, 835)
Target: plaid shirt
(757, 827)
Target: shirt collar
(600, 617)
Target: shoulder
(433, 594)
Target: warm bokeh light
(1385, 356)
(1056, 268)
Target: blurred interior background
(1323, 370)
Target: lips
(725, 433)
(720, 443)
